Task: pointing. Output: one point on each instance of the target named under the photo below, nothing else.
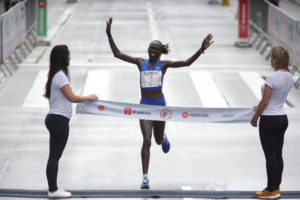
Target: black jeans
(58, 127)
(271, 132)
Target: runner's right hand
(108, 26)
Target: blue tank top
(151, 79)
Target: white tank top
(281, 83)
(58, 102)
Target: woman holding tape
(61, 97)
(152, 72)
(273, 120)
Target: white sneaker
(59, 194)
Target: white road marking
(207, 89)
(152, 22)
(35, 97)
(98, 82)
(253, 81)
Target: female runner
(152, 73)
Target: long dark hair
(58, 61)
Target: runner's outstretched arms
(136, 60)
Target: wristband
(201, 51)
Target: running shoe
(264, 191)
(266, 194)
(59, 194)
(145, 184)
(166, 145)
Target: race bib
(150, 79)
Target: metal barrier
(271, 26)
(259, 26)
(30, 8)
(259, 15)
(17, 36)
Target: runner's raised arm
(117, 53)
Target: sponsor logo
(228, 115)
(205, 115)
(141, 112)
(101, 107)
(202, 115)
(185, 115)
(166, 114)
(127, 111)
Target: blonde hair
(281, 55)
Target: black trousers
(58, 127)
(271, 132)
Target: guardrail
(271, 26)
(17, 36)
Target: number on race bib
(150, 79)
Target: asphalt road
(103, 153)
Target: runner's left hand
(207, 42)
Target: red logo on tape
(127, 111)
(101, 107)
(185, 115)
(166, 114)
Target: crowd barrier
(17, 35)
(271, 26)
(13, 29)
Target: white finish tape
(165, 113)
